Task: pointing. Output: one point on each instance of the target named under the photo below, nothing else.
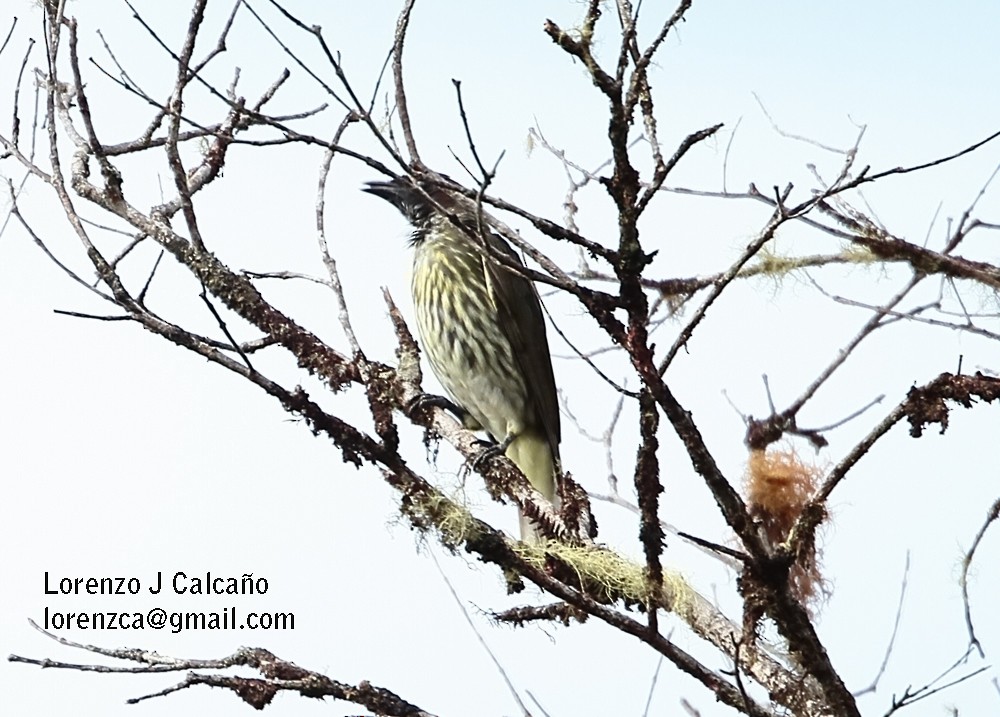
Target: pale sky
(127, 456)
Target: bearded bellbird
(481, 326)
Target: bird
(483, 330)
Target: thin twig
(479, 637)
(895, 630)
(992, 515)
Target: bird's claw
(491, 449)
(429, 400)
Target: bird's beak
(389, 191)
(402, 195)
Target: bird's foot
(428, 400)
(491, 449)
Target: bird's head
(422, 204)
(404, 195)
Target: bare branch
(991, 516)
(278, 676)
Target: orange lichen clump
(778, 487)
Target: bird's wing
(520, 315)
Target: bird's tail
(532, 453)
